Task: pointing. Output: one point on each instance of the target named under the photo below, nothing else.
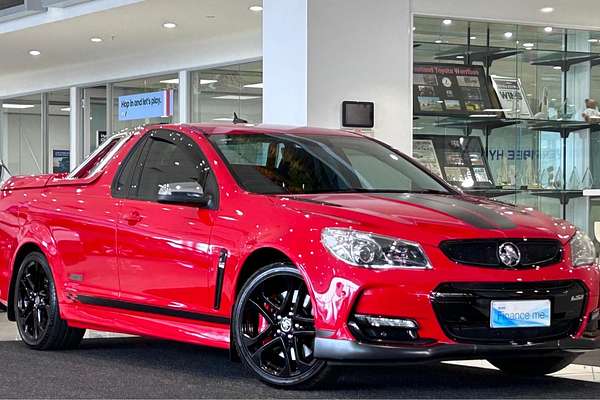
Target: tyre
(36, 308)
(534, 366)
(273, 329)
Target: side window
(172, 159)
(132, 161)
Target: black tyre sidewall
(53, 313)
(306, 378)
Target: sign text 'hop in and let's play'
(146, 105)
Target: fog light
(378, 322)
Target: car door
(163, 250)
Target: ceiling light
(208, 81)
(96, 40)
(234, 97)
(17, 106)
(66, 109)
(557, 67)
(547, 9)
(460, 57)
(255, 86)
(528, 44)
(438, 41)
(255, 8)
(593, 40)
(174, 81)
(35, 52)
(170, 25)
(508, 35)
(548, 29)
(473, 37)
(447, 21)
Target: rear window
(100, 157)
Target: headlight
(373, 251)
(583, 251)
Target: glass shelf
(486, 55)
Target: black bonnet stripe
(470, 212)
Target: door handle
(133, 217)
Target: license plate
(520, 314)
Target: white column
(319, 53)
(44, 113)
(184, 97)
(109, 108)
(3, 135)
(75, 127)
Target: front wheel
(274, 329)
(534, 366)
(36, 308)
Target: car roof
(232, 129)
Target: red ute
(297, 249)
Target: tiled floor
(8, 331)
(579, 372)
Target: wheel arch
(257, 259)
(25, 249)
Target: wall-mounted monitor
(358, 114)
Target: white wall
(320, 53)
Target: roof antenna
(238, 120)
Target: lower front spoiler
(349, 352)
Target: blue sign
(146, 105)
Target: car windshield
(299, 164)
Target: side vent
(220, 274)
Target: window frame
(121, 139)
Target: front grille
(484, 252)
(463, 310)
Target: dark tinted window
(170, 158)
(265, 163)
(125, 173)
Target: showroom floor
(129, 367)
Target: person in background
(591, 114)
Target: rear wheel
(534, 366)
(274, 329)
(36, 308)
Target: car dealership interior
(499, 100)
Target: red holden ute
(295, 248)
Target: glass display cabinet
(533, 142)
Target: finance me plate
(520, 314)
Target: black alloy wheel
(36, 308)
(274, 328)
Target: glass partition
(21, 134)
(145, 101)
(218, 93)
(537, 146)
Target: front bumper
(352, 352)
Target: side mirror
(184, 193)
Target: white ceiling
(584, 14)
(126, 30)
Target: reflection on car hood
(434, 217)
